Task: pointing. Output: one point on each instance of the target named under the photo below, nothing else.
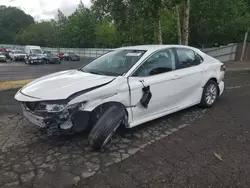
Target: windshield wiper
(92, 72)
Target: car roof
(154, 47)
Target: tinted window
(187, 58)
(160, 62)
(36, 51)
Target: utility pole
(159, 31)
(244, 45)
(178, 23)
(186, 22)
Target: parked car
(52, 59)
(17, 55)
(34, 55)
(60, 55)
(5, 52)
(30, 49)
(3, 57)
(34, 59)
(47, 52)
(128, 86)
(71, 57)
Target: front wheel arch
(107, 105)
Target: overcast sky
(45, 9)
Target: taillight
(223, 68)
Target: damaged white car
(128, 86)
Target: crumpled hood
(61, 85)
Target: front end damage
(57, 117)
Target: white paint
(61, 85)
(171, 91)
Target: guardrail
(223, 53)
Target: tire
(211, 85)
(26, 61)
(106, 126)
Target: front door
(158, 73)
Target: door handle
(176, 77)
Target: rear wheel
(210, 94)
(106, 126)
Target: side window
(187, 58)
(160, 62)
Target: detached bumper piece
(55, 123)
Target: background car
(17, 55)
(34, 59)
(71, 57)
(6, 52)
(60, 55)
(51, 58)
(3, 57)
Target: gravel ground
(191, 148)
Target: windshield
(1, 53)
(19, 52)
(36, 51)
(114, 63)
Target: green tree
(105, 34)
(41, 34)
(12, 20)
(80, 28)
(220, 21)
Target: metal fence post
(244, 45)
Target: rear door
(189, 69)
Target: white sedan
(128, 86)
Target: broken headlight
(59, 107)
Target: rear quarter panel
(211, 68)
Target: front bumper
(54, 60)
(35, 61)
(19, 57)
(2, 59)
(33, 118)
